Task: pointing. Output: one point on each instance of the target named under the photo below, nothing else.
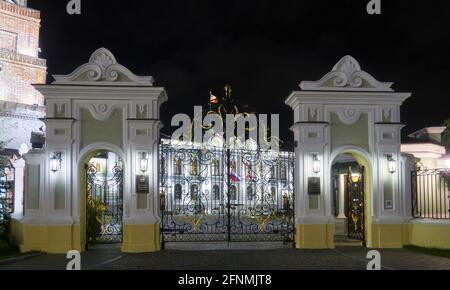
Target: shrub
(4, 220)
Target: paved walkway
(345, 258)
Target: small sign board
(142, 184)
(389, 204)
(314, 186)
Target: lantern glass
(316, 165)
(144, 163)
(355, 177)
(392, 164)
(55, 162)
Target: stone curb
(20, 258)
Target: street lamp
(55, 162)
(392, 164)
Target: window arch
(283, 172)
(233, 192)
(194, 167)
(178, 167)
(273, 192)
(215, 167)
(194, 191)
(273, 173)
(216, 192)
(178, 192)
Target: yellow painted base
(387, 236)
(141, 238)
(314, 236)
(428, 235)
(52, 239)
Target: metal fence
(430, 193)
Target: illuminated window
(194, 191)
(283, 172)
(178, 167)
(215, 167)
(216, 192)
(233, 192)
(178, 192)
(194, 167)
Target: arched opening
(350, 193)
(102, 201)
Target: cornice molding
(347, 75)
(103, 69)
(341, 98)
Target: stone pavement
(344, 258)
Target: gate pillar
(142, 225)
(348, 112)
(101, 106)
(19, 167)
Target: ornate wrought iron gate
(226, 195)
(104, 205)
(356, 216)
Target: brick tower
(21, 106)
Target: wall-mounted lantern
(355, 176)
(55, 162)
(316, 164)
(143, 163)
(392, 164)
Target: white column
(341, 197)
(19, 167)
(35, 201)
(147, 213)
(312, 209)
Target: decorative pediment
(103, 69)
(347, 75)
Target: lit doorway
(104, 199)
(348, 187)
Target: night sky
(264, 49)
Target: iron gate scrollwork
(104, 205)
(7, 180)
(217, 194)
(356, 215)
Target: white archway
(86, 155)
(362, 157)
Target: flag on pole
(234, 177)
(213, 99)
